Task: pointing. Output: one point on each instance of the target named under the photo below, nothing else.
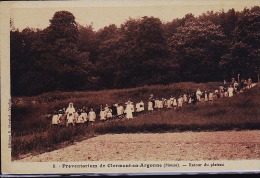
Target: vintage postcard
(130, 87)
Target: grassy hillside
(31, 130)
(30, 114)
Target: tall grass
(239, 112)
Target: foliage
(67, 56)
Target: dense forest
(67, 56)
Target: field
(31, 131)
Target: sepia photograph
(131, 86)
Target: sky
(101, 13)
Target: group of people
(71, 117)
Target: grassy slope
(29, 118)
(239, 112)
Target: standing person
(91, 116)
(137, 107)
(160, 104)
(76, 116)
(55, 119)
(180, 101)
(225, 83)
(129, 111)
(169, 103)
(221, 91)
(174, 103)
(120, 110)
(156, 103)
(70, 119)
(245, 84)
(109, 114)
(70, 109)
(63, 119)
(102, 114)
(141, 105)
(81, 119)
(84, 115)
(193, 98)
(198, 94)
(249, 83)
(230, 91)
(150, 105)
(152, 100)
(185, 98)
(206, 96)
(210, 96)
(114, 109)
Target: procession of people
(83, 116)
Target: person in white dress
(211, 96)
(180, 101)
(150, 106)
(169, 103)
(198, 94)
(109, 114)
(70, 109)
(230, 91)
(156, 103)
(129, 111)
(55, 119)
(174, 103)
(70, 119)
(80, 119)
(185, 98)
(84, 116)
(160, 104)
(120, 110)
(102, 114)
(92, 116)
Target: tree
(243, 56)
(199, 47)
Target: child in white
(150, 106)
(91, 115)
(128, 110)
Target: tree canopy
(68, 56)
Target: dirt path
(226, 145)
